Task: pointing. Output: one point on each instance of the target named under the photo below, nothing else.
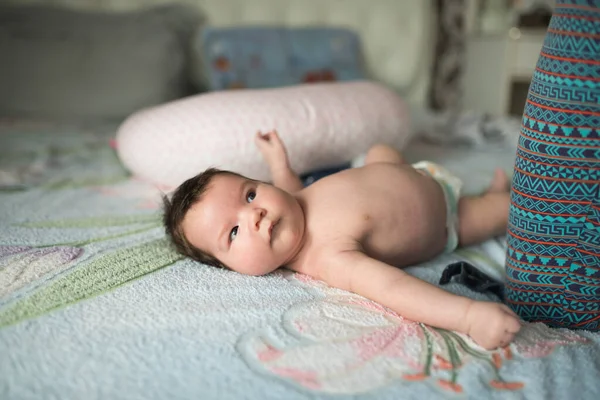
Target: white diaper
(451, 186)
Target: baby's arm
(273, 150)
(490, 324)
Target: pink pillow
(322, 125)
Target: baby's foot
(499, 182)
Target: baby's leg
(485, 216)
(383, 153)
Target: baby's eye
(233, 233)
(250, 196)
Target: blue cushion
(262, 57)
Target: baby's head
(223, 219)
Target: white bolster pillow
(322, 125)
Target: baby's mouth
(271, 230)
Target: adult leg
(553, 257)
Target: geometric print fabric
(553, 256)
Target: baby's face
(252, 227)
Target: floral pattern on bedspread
(57, 271)
(89, 282)
(351, 345)
(21, 265)
(34, 154)
(24, 267)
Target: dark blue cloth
(312, 177)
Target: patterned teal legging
(553, 258)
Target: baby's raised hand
(492, 325)
(272, 149)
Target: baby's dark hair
(185, 196)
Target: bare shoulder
(335, 264)
(326, 259)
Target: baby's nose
(257, 216)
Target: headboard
(397, 35)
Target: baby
(354, 230)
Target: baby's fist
(492, 325)
(272, 148)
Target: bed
(94, 304)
